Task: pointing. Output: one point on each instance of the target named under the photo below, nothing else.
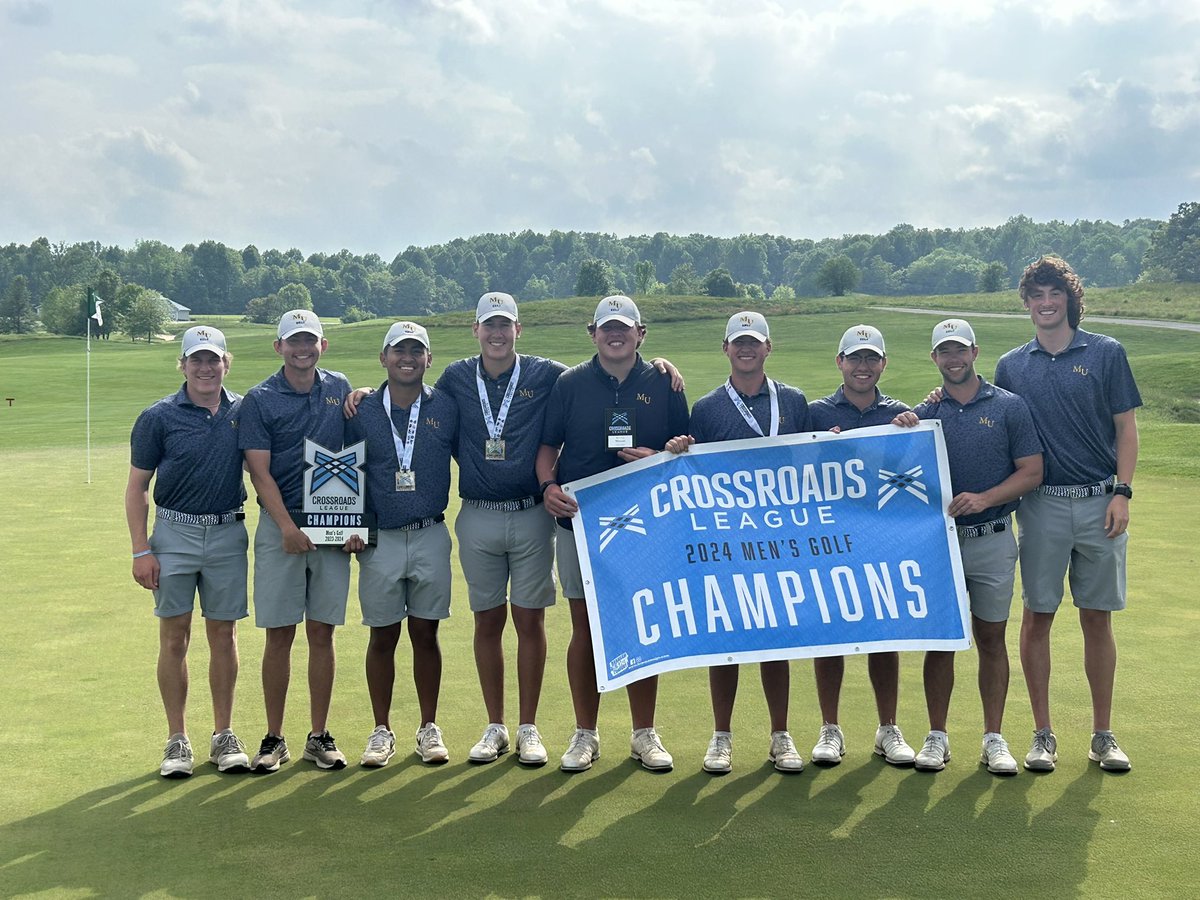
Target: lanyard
(749, 416)
(404, 447)
(496, 426)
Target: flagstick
(89, 401)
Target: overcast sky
(376, 125)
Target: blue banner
(796, 546)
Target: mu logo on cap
(496, 302)
(864, 333)
(949, 326)
(299, 317)
(614, 305)
(202, 333)
(747, 320)
(409, 328)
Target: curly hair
(1055, 272)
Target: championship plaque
(334, 503)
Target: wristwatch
(1123, 489)
(545, 484)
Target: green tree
(155, 265)
(684, 281)
(644, 277)
(296, 296)
(63, 310)
(752, 292)
(942, 272)
(719, 283)
(838, 276)
(148, 315)
(117, 306)
(783, 294)
(1175, 247)
(16, 308)
(992, 278)
(536, 289)
(212, 277)
(595, 278)
(267, 310)
(251, 258)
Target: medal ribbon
(496, 426)
(404, 447)
(749, 416)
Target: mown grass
(85, 813)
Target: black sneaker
(271, 754)
(321, 749)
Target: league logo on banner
(334, 503)
(796, 546)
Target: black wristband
(545, 484)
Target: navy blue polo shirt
(514, 477)
(835, 409)
(1073, 398)
(715, 418)
(437, 432)
(193, 453)
(575, 415)
(275, 417)
(984, 436)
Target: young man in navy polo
(858, 403)
(505, 543)
(1083, 397)
(410, 431)
(187, 443)
(294, 580)
(748, 405)
(995, 458)
(612, 409)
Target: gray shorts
(990, 568)
(288, 587)
(496, 547)
(407, 573)
(569, 575)
(1061, 535)
(209, 559)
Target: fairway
(85, 813)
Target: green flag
(94, 301)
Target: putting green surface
(84, 812)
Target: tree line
(44, 282)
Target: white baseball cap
(203, 337)
(618, 307)
(861, 337)
(956, 330)
(295, 321)
(747, 322)
(406, 331)
(496, 303)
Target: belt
(422, 523)
(973, 531)
(170, 515)
(504, 505)
(1079, 491)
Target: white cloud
(28, 12)
(99, 64)
(375, 125)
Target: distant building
(179, 312)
